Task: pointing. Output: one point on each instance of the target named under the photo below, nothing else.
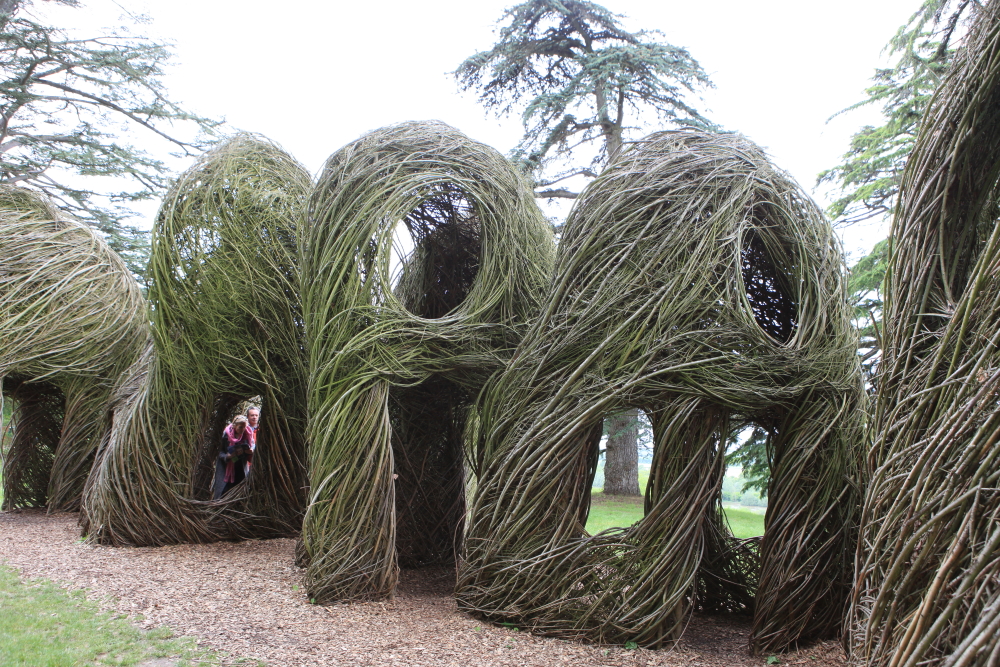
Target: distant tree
(581, 82)
(752, 455)
(67, 104)
(621, 454)
(864, 287)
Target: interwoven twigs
(72, 319)
(927, 588)
(226, 326)
(428, 452)
(482, 259)
(698, 283)
(37, 418)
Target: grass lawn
(611, 511)
(42, 625)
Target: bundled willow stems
(416, 341)
(72, 318)
(227, 326)
(698, 283)
(928, 564)
(393, 368)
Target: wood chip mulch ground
(246, 599)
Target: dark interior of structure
(37, 418)
(768, 288)
(428, 420)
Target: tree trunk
(621, 460)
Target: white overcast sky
(313, 75)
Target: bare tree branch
(556, 194)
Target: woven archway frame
(227, 326)
(649, 309)
(363, 340)
(72, 318)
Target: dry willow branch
(393, 369)
(226, 326)
(927, 588)
(72, 318)
(698, 283)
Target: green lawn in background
(744, 523)
(42, 625)
(617, 511)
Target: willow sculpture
(226, 326)
(698, 283)
(395, 364)
(72, 318)
(928, 577)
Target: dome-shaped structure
(698, 283)
(72, 318)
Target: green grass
(42, 625)
(744, 523)
(611, 511)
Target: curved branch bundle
(394, 368)
(698, 283)
(928, 571)
(72, 318)
(695, 281)
(227, 326)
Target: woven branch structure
(72, 318)
(395, 364)
(698, 283)
(928, 565)
(694, 281)
(227, 326)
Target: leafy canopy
(66, 104)
(579, 78)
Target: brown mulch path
(245, 598)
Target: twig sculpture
(698, 283)
(72, 318)
(227, 326)
(394, 367)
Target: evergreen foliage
(66, 101)
(865, 282)
(753, 457)
(865, 286)
(582, 81)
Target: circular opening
(435, 253)
(768, 288)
